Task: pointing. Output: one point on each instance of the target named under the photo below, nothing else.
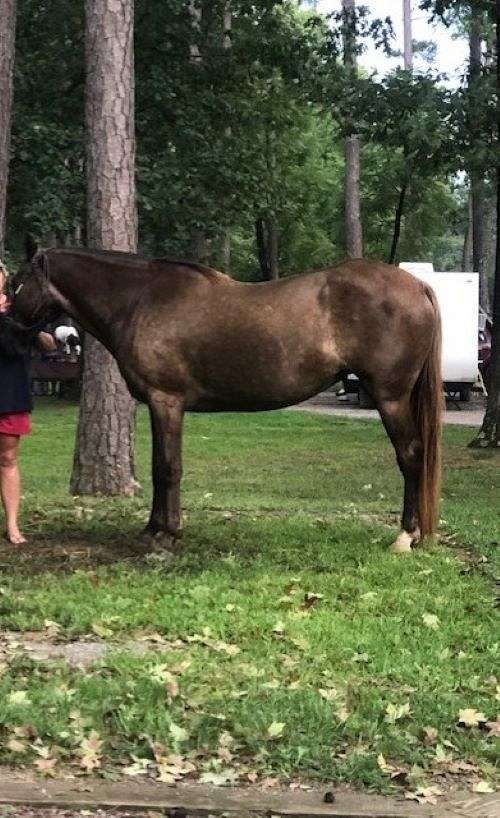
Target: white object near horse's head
(18, 289)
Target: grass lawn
(289, 642)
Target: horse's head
(32, 298)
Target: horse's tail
(427, 399)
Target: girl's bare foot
(15, 537)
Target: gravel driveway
(327, 403)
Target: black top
(15, 393)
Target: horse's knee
(410, 456)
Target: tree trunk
(200, 248)
(478, 192)
(104, 457)
(7, 51)
(467, 248)
(408, 38)
(267, 247)
(397, 221)
(226, 252)
(489, 435)
(353, 225)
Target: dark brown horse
(188, 338)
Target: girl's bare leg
(10, 486)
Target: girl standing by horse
(15, 407)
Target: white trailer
(458, 299)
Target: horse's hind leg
(399, 423)
(166, 413)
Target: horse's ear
(31, 247)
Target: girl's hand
(4, 302)
(46, 342)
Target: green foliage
(252, 128)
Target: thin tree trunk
(226, 252)
(272, 238)
(199, 242)
(467, 248)
(200, 247)
(104, 456)
(267, 247)
(489, 435)
(227, 27)
(478, 192)
(7, 52)
(397, 221)
(408, 38)
(260, 234)
(353, 224)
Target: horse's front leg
(166, 413)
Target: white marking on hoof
(403, 543)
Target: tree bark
(104, 455)
(489, 435)
(397, 221)
(353, 224)
(267, 247)
(467, 248)
(7, 52)
(478, 192)
(408, 38)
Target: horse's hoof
(403, 543)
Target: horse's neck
(94, 294)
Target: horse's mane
(138, 258)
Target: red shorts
(15, 423)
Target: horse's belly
(244, 385)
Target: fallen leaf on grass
(52, 628)
(223, 778)
(482, 787)
(390, 769)
(139, 767)
(173, 768)
(424, 795)
(16, 746)
(19, 697)
(179, 734)
(430, 735)
(342, 714)
(46, 766)
(444, 762)
(362, 658)
(101, 630)
(470, 717)
(328, 695)
(395, 712)
(430, 621)
(275, 730)
(90, 752)
(494, 727)
(310, 599)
